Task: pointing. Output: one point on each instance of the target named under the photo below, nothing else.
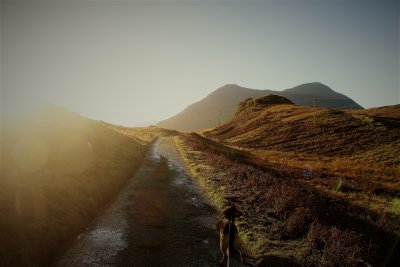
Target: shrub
(339, 247)
(342, 248)
(298, 223)
(316, 236)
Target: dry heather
(286, 222)
(291, 128)
(58, 170)
(348, 154)
(390, 112)
(346, 161)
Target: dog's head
(231, 212)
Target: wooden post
(313, 101)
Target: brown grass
(347, 154)
(279, 210)
(298, 223)
(291, 128)
(338, 247)
(392, 112)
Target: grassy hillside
(220, 106)
(319, 187)
(318, 131)
(342, 147)
(390, 112)
(286, 222)
(57, 170)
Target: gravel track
(161, 218)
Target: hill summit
(262, 102)
(315, 88)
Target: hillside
(219, 106)
(355, 148)
(390, 112)
(318, 187)
(288, 220)
(58, 169)
(319, 131)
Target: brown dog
(228, 233)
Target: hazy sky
(128, 62)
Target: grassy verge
(206, 176)
(202, 172)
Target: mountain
(219, 106)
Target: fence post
(313, 101)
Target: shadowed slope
(57, 170)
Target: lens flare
(308, 171)
(74, 155)
(30, 154)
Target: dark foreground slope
(219, 106)
(57, 170)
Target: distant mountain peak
(313, 88)
(231, 85)
(227, 90)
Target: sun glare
(30, 154)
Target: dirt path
(159, 219)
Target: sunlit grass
(350, 153)
(199, 170)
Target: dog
(228, 233)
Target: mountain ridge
(220, 105)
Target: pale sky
(128, 62)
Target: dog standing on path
(228, 233)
